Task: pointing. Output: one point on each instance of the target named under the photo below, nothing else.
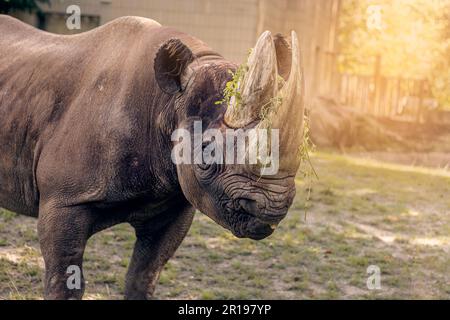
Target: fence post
(317, 72)
(398, 89)
(377, 78)
(333, 71)
(419, 107)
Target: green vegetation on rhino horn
(232, 95)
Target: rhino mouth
(253, 214)
(248, 225)
(258, 230)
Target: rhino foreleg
(63, 233)
(153, 248)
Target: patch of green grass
(168, 274)
(6, 215)
(358, 261)
(105, 278)
(207, 295)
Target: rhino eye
(204, 166)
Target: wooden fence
(391, 97)
(402, 99)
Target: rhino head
(238, 196)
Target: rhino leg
(153, 248)
(63, 233)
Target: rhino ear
(171, 66)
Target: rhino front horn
(258, 86)
(273, 59)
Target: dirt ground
(361, 213)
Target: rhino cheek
(195, 194)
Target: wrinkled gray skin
(85, 144)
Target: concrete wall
(227, 26)
(231, 27)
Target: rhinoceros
(86, 124)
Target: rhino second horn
(288, 118)
(258, 86)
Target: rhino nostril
(256, 209)
(249, 205)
